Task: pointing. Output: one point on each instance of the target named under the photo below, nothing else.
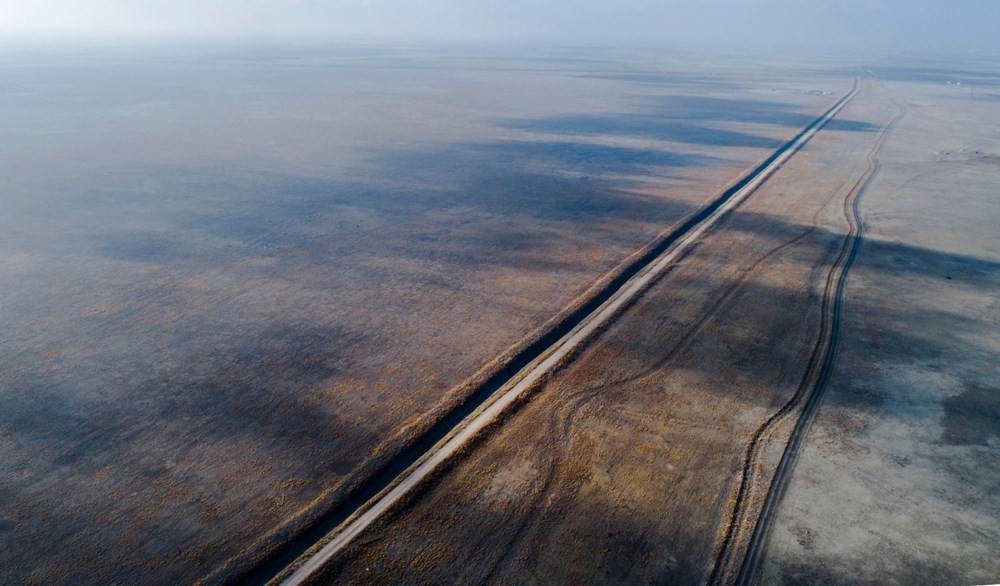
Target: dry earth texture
(234, 284)
(899, 479)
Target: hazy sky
(890, 24)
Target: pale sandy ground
(899, 478)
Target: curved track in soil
(558, 429)
(810, 390)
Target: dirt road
(674, 246)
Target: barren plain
(234, 285)
(242, 290)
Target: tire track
(559, 427)
(810, 389)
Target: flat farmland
(234, 283)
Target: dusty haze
(888, 25)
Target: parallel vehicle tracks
(808, 394)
